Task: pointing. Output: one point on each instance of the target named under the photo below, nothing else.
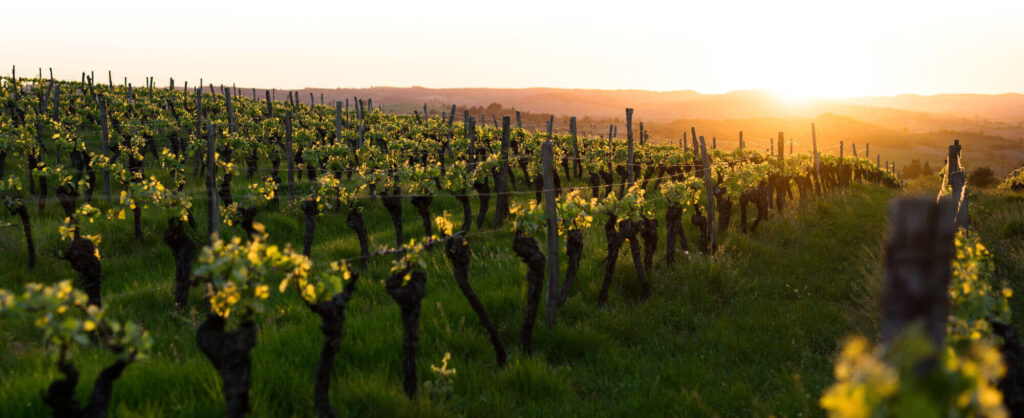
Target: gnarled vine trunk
(409, 296)
(574, 251)
(422, 204)
(310, 211)
(332, 325)
(230, 354)
(527, 249)
(354, 220)
(82, 256)
(457, 250)
(483, 193)
(392, 201)
(184, 247)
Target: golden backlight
(797, 50)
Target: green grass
(752, 331)
(998, 217)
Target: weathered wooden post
(212, 207)
(501, 188)
(782, 150)
(693, 141)
(919, 252)
(956, 182)
(741, 140)
(288, 153)
(709, 188)
(629, 147)
(337, 123)
(231, 111)
(553, 247)
(575, 147)
(105, 139)
(817, 170)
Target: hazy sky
(796, 48)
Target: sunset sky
(797, 49)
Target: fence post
(553, 247)
(629, 147)
(212, 207)
(693, 141)
(501, 188)
(337, 123)
(782, 150)
(231, 111)
(817, 171)
(917, 267)
(956, 182)
(709, 189)
(288, 153)
(106, 148)
(575, 147)
(741, 140)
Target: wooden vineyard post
(553, 246)
(867, 150)
(741, 140)
(917, 268)
(878, 160)
(577, 166)
(685, 142)
(782, 150)
(470, 128)
(501, 188)
(693, 140)
(288, 153)
(105, 131)
(956, 182)
(817, 171)
(359, 114)
(853, 149)
(212, 207)
(231, 111)
(709, 188)
(337, 123)
(629, 147)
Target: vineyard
(204, 252)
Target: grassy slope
(750, 332)
(998, 216)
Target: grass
(751, 331)
(998, 217)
